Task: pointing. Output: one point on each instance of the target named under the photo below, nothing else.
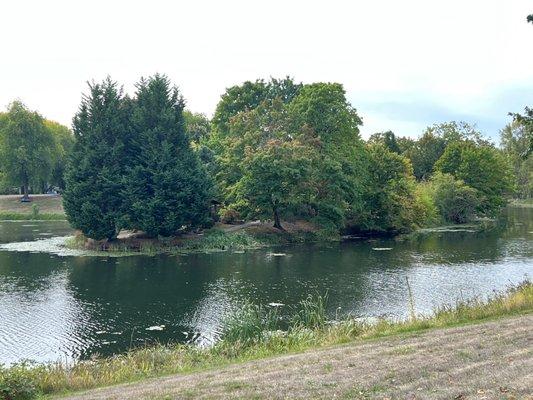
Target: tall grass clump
(249, 324)
(220, 241)
(311, 312)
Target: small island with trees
(284, 154)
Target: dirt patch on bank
(492, 360)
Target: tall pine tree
(95, 175)
(166, 188)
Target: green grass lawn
(45, 207)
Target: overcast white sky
(404, 64)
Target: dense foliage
(275, 150)
(390, 200)
(32, 150)
(455, 201)
(526, 121)
(516, 146)
(294, 154)
(483, 168)
(132, 165)
(95, 177)
(166, 189)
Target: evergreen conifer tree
(94, 177)
(166, 187)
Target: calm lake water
(60, 305)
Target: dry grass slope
(491, 360)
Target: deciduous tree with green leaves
(424, 153)
(390, 200)
(526, 121)
(64, 142)
(322, 115)
(277, 180)
(250, 95)
(515, 144)
(387, 139)
(316, 118)
(481, 167)
(456, 202)
(26, 148)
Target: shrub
(229, 216)
(425, 205)
(17, 383)
(456, 201)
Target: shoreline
(307, 333)
(11, 217)
(243, 239)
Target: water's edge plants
(212, 240)
(253, 332)
(217, 240)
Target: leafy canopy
(483, 168)
(26, 147)
(260, 148)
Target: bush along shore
(253, 332)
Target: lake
(64, 305)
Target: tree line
(274, 150)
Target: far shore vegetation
(253, 332)
(278, 151)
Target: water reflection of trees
(121, 297)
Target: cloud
(409, 113)
(405, 64)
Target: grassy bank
(254, 332)
(220, 238)
(12, 216)
(41, 207)
(212, 241)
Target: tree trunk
(26, 196)
(277, 222)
